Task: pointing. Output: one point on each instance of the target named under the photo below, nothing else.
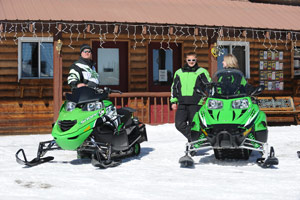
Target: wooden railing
(152, 107)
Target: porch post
(57, 81)
(212, 62)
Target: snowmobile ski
(103, 164)
(44, 147)
(33, 162)
(186, 162)
(270, 161)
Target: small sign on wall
(163, 75)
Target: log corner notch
(57, 77)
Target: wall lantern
(58, 46)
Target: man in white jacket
(82, 72)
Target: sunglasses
(87, 51)
(189, 60)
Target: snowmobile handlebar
(109, 91)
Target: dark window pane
(46, 59)
(30, 59)
(239, 52)
(220, 58)
(162, 67)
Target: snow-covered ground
(154, 175)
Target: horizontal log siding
(25, 89)
(37, 91)
(26, 117)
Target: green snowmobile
(89, 123)
(230, 123)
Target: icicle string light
(134, 36)
(143, 38)
(71, 34)
(163, 38)
(176, 37)
(149, 32)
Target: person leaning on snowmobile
(231, 80)
(82, 72)
(184, 98)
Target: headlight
(215, 104)
(70, 106)
(93, 106)
(240, 104)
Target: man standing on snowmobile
(184, 98)
(82, 72)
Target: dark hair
(191, 54)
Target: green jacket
(186, 80)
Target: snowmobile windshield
(227, 83)
(85, 95)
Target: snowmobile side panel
(107, 103)
(261, 122)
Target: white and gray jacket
(83, 71)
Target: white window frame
(231, 44)
(31, 39)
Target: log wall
(26, 106)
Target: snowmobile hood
(73, 127)
(227, 114)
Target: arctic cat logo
(90, 117)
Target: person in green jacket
(184, 98)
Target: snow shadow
(144, 152)
(210, 159)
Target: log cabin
(137, 47)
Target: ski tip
(186, 162)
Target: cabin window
(240, 50)
(35, 58)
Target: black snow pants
(184, 117)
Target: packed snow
(155, 174)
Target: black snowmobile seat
(125, 114)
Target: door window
(108, 66)
(240, 50)
(162, 65)
(112, 64)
